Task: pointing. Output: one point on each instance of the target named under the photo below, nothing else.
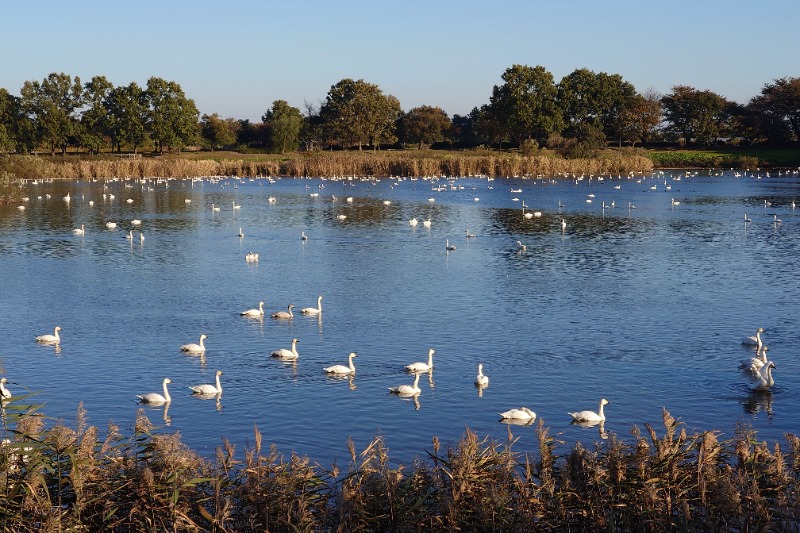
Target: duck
(420, 366)
(754, 340)
(284, 314)
(254, 313)
(50, 339)
(313, 310)
(154, 397)
(283, 353)
(449, 247)
(195, 348)
(251, 257)
(590, 416)
(481, 379)
(523, 413)
(341, 369)
(207, 388)
(79, 231)
(5, 394)
(407, 390)
(762, 380)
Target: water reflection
(759, 401)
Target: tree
(284, 123)
(8, 104)
(526, 105)
(126, 116)
(217, 131)
(93, 118)
(639, 118)
(487, 127)
(52, 104)
(696, 115)
(172, 119)
(311, 133)
(595, 99)
(357, 112)
(424, 124)
(778, 106)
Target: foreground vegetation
(63, 479)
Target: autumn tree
(283, 123)
(424, 124)
(640, 117)
(217, 131)
(172, 118)
(53, 106)
(525, 104)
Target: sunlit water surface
(645, 307)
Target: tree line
(579, 114)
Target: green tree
(595, 99)
(778, 107)
(357, 112)
(526, 103)
(284, 123)
(217, 131)
(126, 116)
(424, 124)
(93, 118)
(173, 118)
(8, 104)
(311, 134)
(53, 104)
(640, 117)
(487, 127)
(696, 115)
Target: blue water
(645, 307)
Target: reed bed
(325, 164)
(64, 479)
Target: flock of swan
(757, 370)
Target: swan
(251, 257)
(448, 246)
(470, 235)
(254, 313)
(79, 231)
(413, 222)
(195, 348)
(154, 397)
(590, 416)
(235, 206)
(136, 222)
(5, 394)
(215, 208)
(241, 233)
(523, 413)
(341, 369)
(129, 236)
(563, 225)
(754, 364)
(313, 310)
(50, 339)
(522, 247)
(207, 388)
(284, 314)
(283, 353)
(427, 223)
(111, 225)
(763, 380)
(303, 236)
(675, 202)
(422, 367)
(407, 390)
(141, 237)
(481, 379)
(754, 340)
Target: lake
(644, 306)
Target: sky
(236, 57)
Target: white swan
(481, 379)
(136, 222)
(111, 225)
(50, 339)
(141, 237)
(283, 353)
(303, 236)
(754, 340)
(207, 388)
(754, 364)
(195, 348)
(251, 257)
(449, 247)
(763, 380)
(154, 397)
(427, 223)
(341, 369)
(254, 313)
(420, 366)
(563, 225)
(5, 394)
(523, 413)
(129, 236)
(241, 233)
(407, 390)
(590, 416)
(79, 231)
(235, 205)
(413, 222)
(470, 235)
(284, 314)
(313, 310)
(521, 246)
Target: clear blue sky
(236, 57)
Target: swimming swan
(154, 397)
(251, 257)
(341, 369)
(79, 231)
(763, 379)
(590, 416)
(254, 313)
(207, 388)
(449, 247)
(313, 310)
(195, 348)
(50, 339)
(754, 364)
(481, 379)
(284, 314)
(754, 340)
(420, 366)
(5, 394)
(523, 413)
(407, 390)
(283, 353)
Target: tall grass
(64, 479)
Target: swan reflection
(211, 396)
(758, 401)
(480, 388)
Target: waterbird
(254, 313)
(50, 339)
(5, 394)
(523, 413)
(251, 257)
(341, 369)
(481, 379)
(521, 246)
(420, 366)
(283, 353)
(79, 231)
(407, 390)
(207, 388)
(754, 340)
(303, 236)
(313, 310)
(590, 416)
(448, 246)
(154, 397)
(284, 314)
(763, 379)
(195, 348)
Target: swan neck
(166, 393)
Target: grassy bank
(65, 479)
